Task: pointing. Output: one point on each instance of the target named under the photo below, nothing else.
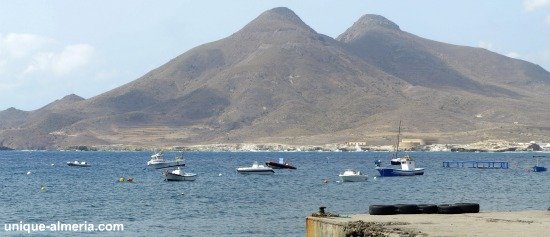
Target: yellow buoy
(121, 179)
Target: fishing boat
(353, 176)
(407, 163)
(78, 163)
(178, 175)
(255, 169)
(157, 161)
(538, 167)
(408, 168)
(280, 165)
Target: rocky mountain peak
(276, 19)
(72, 97)
(366, 23)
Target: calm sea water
(223, 203)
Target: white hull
(248, 170)
(165, 164)
(353, 178)
(176, 177)
(78, 164)
(255, 169)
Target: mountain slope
(277, 80)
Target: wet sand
(522, 223)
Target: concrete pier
(523, 223)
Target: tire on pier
(468, 207)
(407, 209)
(382, 210)
(427, 208)
(449, 209)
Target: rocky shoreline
(485, 146)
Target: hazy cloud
(20, 45)
(547, 19)
(3, 64)
(513, 55)
(23, 54)
(72, 57)
(531, 5)
(485, 45)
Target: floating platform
(476, 164)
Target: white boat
(78, 163)
(353, 176)
(158, 162)
(179, 175)
(255, 169)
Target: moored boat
(280, 165)
(255, 169)
(157, 161)
(179, 175)
(538, 167)
(353, 176)
(78, 163)
(408, 168)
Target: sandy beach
(522, 223)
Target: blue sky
(49, 49)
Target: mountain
(278, 80)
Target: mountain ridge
(277, 79)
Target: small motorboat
(408, 168)
(78, 163)
(280, 165)
(538, 167)
(179, 175)
(353, 176)
(255, 169)
(158, 162)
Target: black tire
(408, 209)
(448, 209)
(427, 208)
(468, 207)
(382, 210)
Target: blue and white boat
(408, 168)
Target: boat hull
(387, 172)
(276, 165)
(164, 165)
(176, 177)
(78, 165)
(539, 168)
(353, 178)
(255, 171)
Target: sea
(37, 187)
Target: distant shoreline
(486, 146)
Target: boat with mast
(396, 160)
(408, 165)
